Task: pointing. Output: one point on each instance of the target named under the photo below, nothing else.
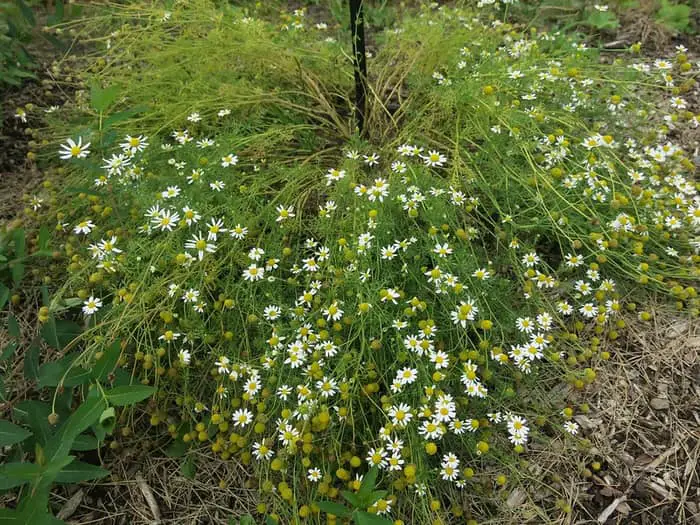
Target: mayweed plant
(407, 305)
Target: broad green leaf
(336, 509)
(44, 236)
(65, 304)
(62, 372)
(35, 414)
(4, 295)
(38, 515)
(603, 20)
(10, 80)
(59, 333)
(128, 395)
(31, 362)
(376, 495)
(56, 465)
(33, 507)
(270, 521)
(121, 377)
(11, 433)
(27, 12)
(72, 302)
(123, 115)
(13, 326)
(63, 403)
(85, 442)
(101, 99)
(353, 499)
(367, 486)
(177, 449)
(18, 473)
(9, 517)
(26, 61)
(76, 10)
(52, 373)
(45, 297)
(365, 518)
(674, 16)
(20, 239)
(8, 351)
(17, 270)
(85, 416)
(105, 364)
(14, 517)
(80, 471)
(76, 376)
(188, 467)
(246, 520)
(57, 16)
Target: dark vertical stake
(357, 28)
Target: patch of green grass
(287, 92)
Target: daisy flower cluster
(389, 305)
(403, 307)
